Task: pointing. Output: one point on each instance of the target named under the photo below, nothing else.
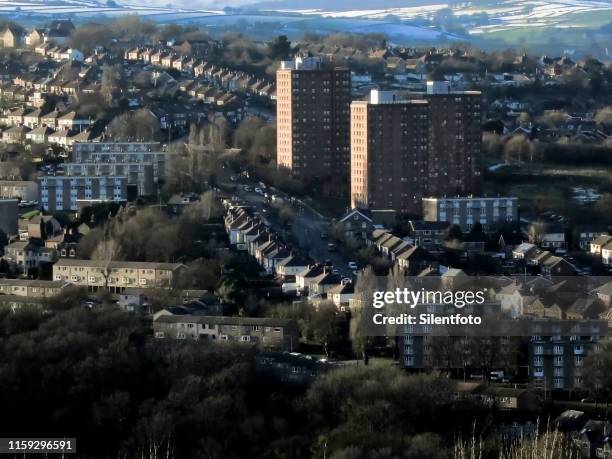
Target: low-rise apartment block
(138, 174)
(59, 193)
(116, 275)
(32, 288)
(122, 152)
(268, 333)
(467, 211)
(557, 349)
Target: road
(307, 224)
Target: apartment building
(467, 211)
(268, 333)
(8, 216)
(139, 175)
(116, 275)
(389, 152)
(63, 193)
(557, 349)
(24, 190)
(420, 349)
(312, 119)
(32, 288)
(455, 156)
(408, 146)
(122, 152)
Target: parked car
(352, 265)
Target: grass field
(549, 186)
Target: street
(307, 225)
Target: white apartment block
(122, 152)
(63, 193)
(467, 211)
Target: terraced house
(116, 275)
(32, 288)
(268, 333)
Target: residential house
(524, 251)
(23, 256)
(290, 368)
(429, 235)
(32, 288)
(548, 236)
(606, 254)
(16, 302)
(32, 119)
(583, 235)
(356, 224)
(604, 293)
(292, 265)
(16, 134)
(585, 308)
(39, 135)
(73, 120)
(35, 37)
(342, 294)
(10, 37)
(557, 266)
(267, 333)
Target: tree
(106, 252)
(140, 125)
(454, 233)
(323, 326)
(598, 370)
(279, 48)
(604, 116)
(365, 287)
(113, 82)
(518, 148)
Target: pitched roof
(222, 320)
(117, 264)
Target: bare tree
(106, 252)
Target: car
(356, 272)
(323, 234)
(331, 247)
(352, 265)
(258, 190)
(336, 271)
(328, 262)
(587, 400)
(247, 188)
